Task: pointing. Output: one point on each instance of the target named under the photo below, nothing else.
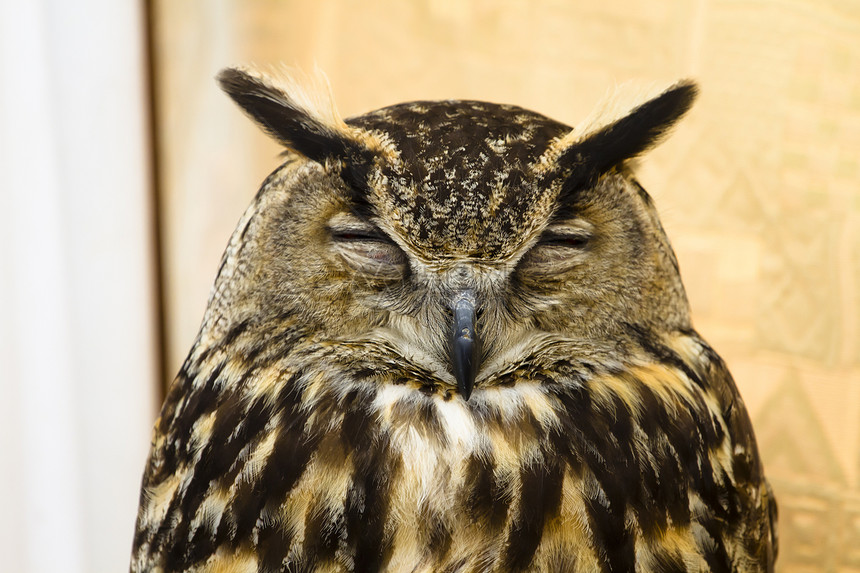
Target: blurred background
(123, 170)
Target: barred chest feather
(558, 466)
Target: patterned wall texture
(759, 188)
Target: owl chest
(515, 477)
(447, 482)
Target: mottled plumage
(330, 417)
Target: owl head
(456, 236)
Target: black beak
(465, 346)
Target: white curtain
(77, 336)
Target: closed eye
(560, 248)
(368, 250)
(573, 240)
(359, 235)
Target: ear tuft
(302, 119)
(609, 143)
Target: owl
(452, 336)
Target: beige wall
(759, 188)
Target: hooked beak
(465, 346)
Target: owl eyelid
(559, 248)
(574, 233)
(360, 234)
(368, 249)
(577, 240)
